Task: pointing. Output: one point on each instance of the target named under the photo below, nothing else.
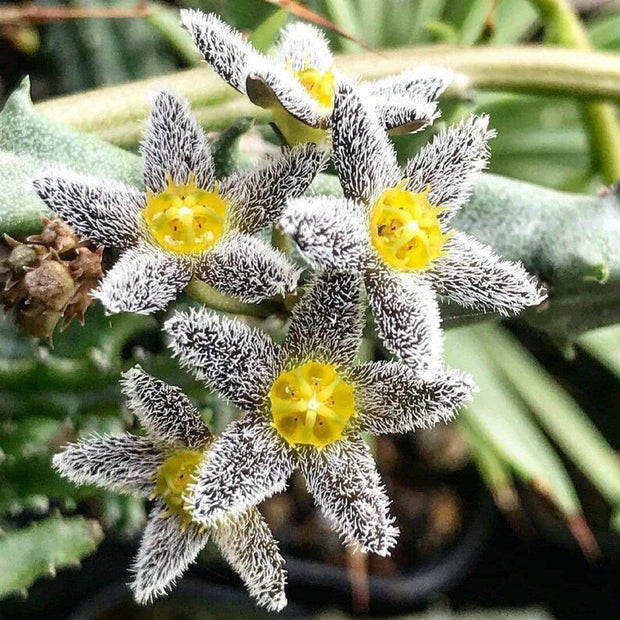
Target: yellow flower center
(184, 218)
(311, 404)
(404, 228)
(319, 85)
(172, 478)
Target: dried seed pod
(48, 278)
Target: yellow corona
(311, 404)
(184, 218)
(405, 230)
(319, 85)
(172, 478)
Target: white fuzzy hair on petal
(344, 482)
(363, 154)
(331, 232)
(472, 274)
(249, 547)
(327, 324)
(258, 196)
(223, 47)
(304, 46)
(143, 280)
(164, 410)
(175, 146)
(425, 82)
(229, 356)
(449, 164)
(102, 210)
(247, 463)
(123, 463)
(165, 552)
(248, 269)
(269, 84)
(407, 318)
(392, 399)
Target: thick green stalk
(207, 295)
(564, 28)
(116, 113)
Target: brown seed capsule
(49, 278)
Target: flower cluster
(387, 244)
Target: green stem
(207, 295)
(166, 21)
(281, 241)
(116, 113)
(564, 28)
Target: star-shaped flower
(394, 228)
(187, 223)
(161, 466)
(306, 403)
(297, 83)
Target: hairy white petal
(363, 155)
(391, 399)
(250, 548)
(401, 115)
(345, 483)
(223, 47)
(238, 361)
(268, 85)
(331, 232)
(165, 552)
(472, 274)
(174, 145)
(303, 46)
(247, 268)
(164, 410)
(423, 82)
(407, 318)
(326, 325)
(123, 463)
(143, 280)
(247, 463)
(102, 210)
(258, 196)
(448, 165)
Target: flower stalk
(200, 291)
(116, 113)
(565, 29)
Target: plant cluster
(375, 261)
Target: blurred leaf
(514, 21)
(502, 418)
(495, 471)
(444, 33)
(31, 437)
(43, 548)
(30, 144)
(557, 412)
(604, 345)
(266, 32)
(165, 21)
(604, 32)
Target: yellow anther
(405, 230)
(172, 478)
(311, 404)
(184, 218)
